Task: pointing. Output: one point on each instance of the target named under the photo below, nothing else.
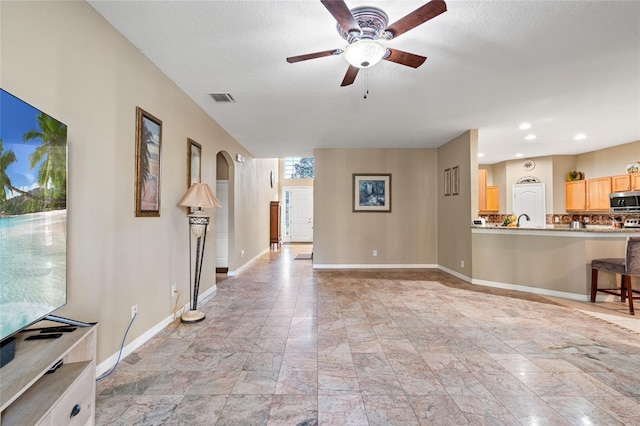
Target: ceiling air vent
(222, 97)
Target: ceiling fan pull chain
(366, 83)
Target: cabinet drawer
(79, 393)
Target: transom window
(298, 168)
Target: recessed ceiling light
(530, 137)
(525, 126)
(519, 155)
(480, 154)
(580, 136)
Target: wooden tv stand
(31, 397)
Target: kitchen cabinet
(635, 181)
(621, 183)
(575, 195)
(598, 191)
(488, 196)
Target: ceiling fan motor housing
(372, 21)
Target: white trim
(374, 266)
(243, 267)
(533, 290)
(455, 274)
(108, 363)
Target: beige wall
(63, 58)
(405, 236)
(608, 162)
(455, 211)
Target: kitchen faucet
(526, 216)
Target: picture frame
(148, 162)
(447, 182)
(194, 165)
(455, 180)
(371, 193)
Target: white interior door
(300, 214)
(529, 199)
(222, 224)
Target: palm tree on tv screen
(6, 158)
(52, 156)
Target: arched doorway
(224, 215)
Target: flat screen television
(33, 215)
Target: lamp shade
(364, 53)
(199, 196)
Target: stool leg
(627, 285)
(594, 284)
(623, 286)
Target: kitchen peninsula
(553, 261)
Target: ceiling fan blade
(404, 58)
(294, 59)
(341, 12)
(419, 16)
(350, 76)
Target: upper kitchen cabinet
(575, 195)
(488, 196)
(623, 183)
(598, 191)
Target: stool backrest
(632, 264)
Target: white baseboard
(533, 290)
(243, 267)
(374, 266)
(108, 363)
(506, 286)
(455, 273)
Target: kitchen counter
(589, 230)
(554, 261)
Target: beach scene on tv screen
(33, 214)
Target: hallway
(283, 344)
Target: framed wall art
(148, 144)
(447, 182)
(455, 180)
(371, 193)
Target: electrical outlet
(462, 263)
(173, 289)
(134, 310)
(375, 252)
(556, 219)
(241, 253)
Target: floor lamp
(199, 196)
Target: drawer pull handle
(75, 410)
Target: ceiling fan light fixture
(364, 53)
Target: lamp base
(190, 317)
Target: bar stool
(627, 267)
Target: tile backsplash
(590, 219)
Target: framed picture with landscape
(455, 180)
(447, 182)
(371, 193)
(194, 165)
(148, 144)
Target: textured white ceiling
(566, 67)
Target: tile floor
(283, 344)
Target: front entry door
(300, 213)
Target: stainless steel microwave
(624, 202)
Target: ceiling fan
(363, 27)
